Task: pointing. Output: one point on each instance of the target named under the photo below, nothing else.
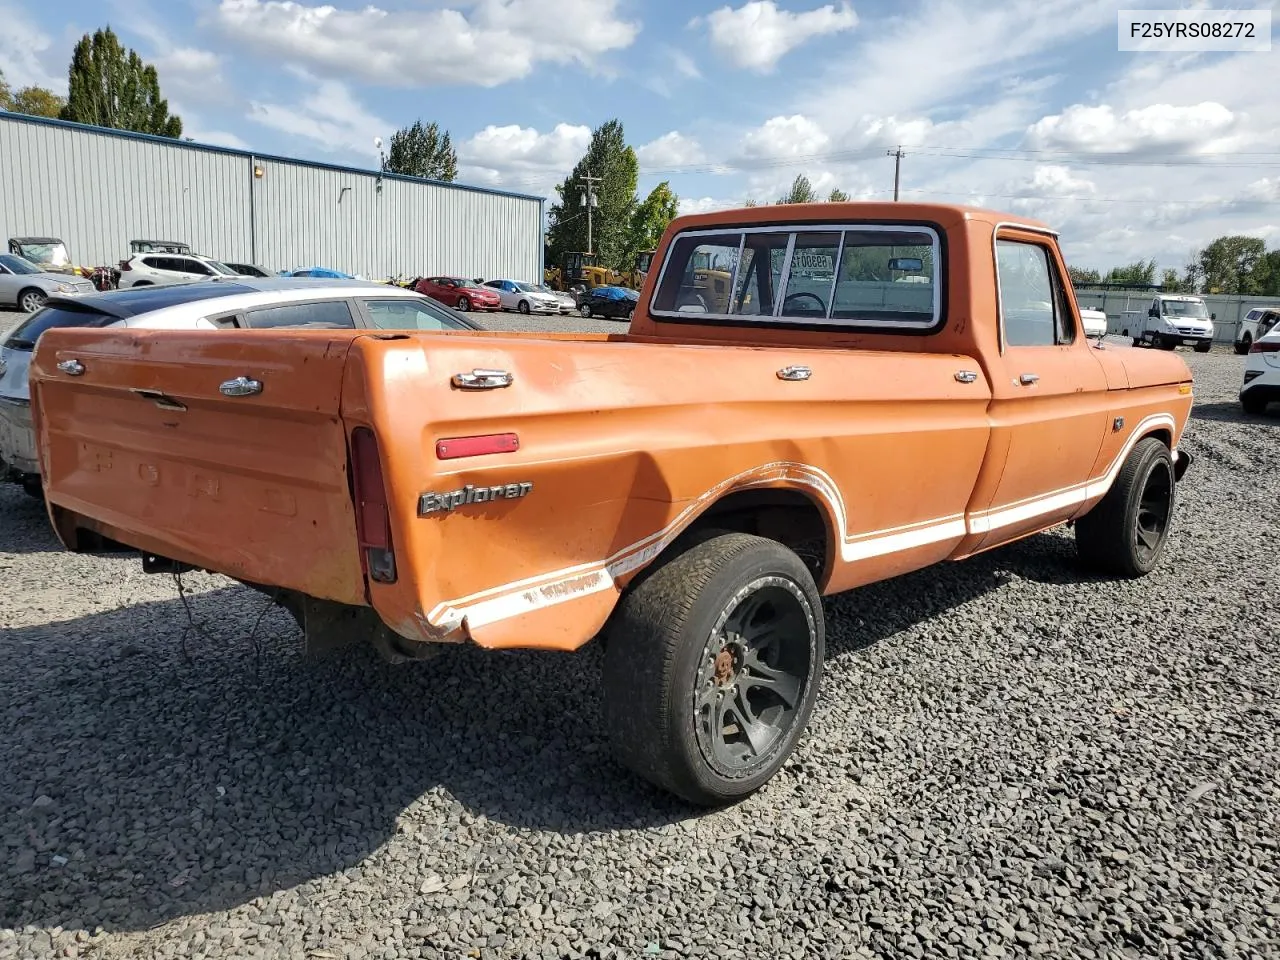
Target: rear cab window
(869, 277)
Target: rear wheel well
(786, 516)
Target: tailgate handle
(162, 400)
(240, 387)
(72, 368)
(482, 379)
(795, 372)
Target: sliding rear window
(28, 332)
(864, 276)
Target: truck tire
(1167, 343)
(1126, 533)
(712, 667)
(1204, 347)
(1243, 344)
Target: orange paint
(914, 448)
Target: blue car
(615, 302)
(318, 272)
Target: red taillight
(1265, 346)
(373, 520)
(477, 446)
(124, 265)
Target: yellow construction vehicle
(634, 278)
(712, 281)
(583, 271)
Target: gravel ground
(1008, 759)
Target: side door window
(318, 313)
(402, 313)
(194, 266)
(1033, 310)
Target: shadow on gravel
(861, 618)
(1231, 412)
(176, 785)
(24, 523)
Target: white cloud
(757, 35)
(780, 138)
(673, 66)
(192, 74)
(670, 150)
(705, 204)
(1159, 127)
(23, 47)
(330, 117)
(496, 41)
(947, 51)
(521, 156)
(217, 138)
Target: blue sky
(1024, 106)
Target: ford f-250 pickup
(876, 388)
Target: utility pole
(897, 168)
(589, 201)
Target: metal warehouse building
(98, 189)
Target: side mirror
(1213, 316)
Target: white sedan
(1262, 373)
(527, 297)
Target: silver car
(231, 303)
(529, 297)
(26, 286)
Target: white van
(1176, 318)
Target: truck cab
(1174, 319)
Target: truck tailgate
(146, 447)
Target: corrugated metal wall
(98, 190)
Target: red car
(459, 293)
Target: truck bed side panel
(624, 444)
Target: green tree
(650, 219)
(1170, 282)
(1081, 276)
(1139, 273)
(419, 151)
(838, 196)
(1228, 264)
(37, 102)
(750, 203)
(1267, 274)
(111, 87)
(610, 159)
(801, 191)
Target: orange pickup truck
(809, 398)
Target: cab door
(1049, 408)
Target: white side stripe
(533, 593)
